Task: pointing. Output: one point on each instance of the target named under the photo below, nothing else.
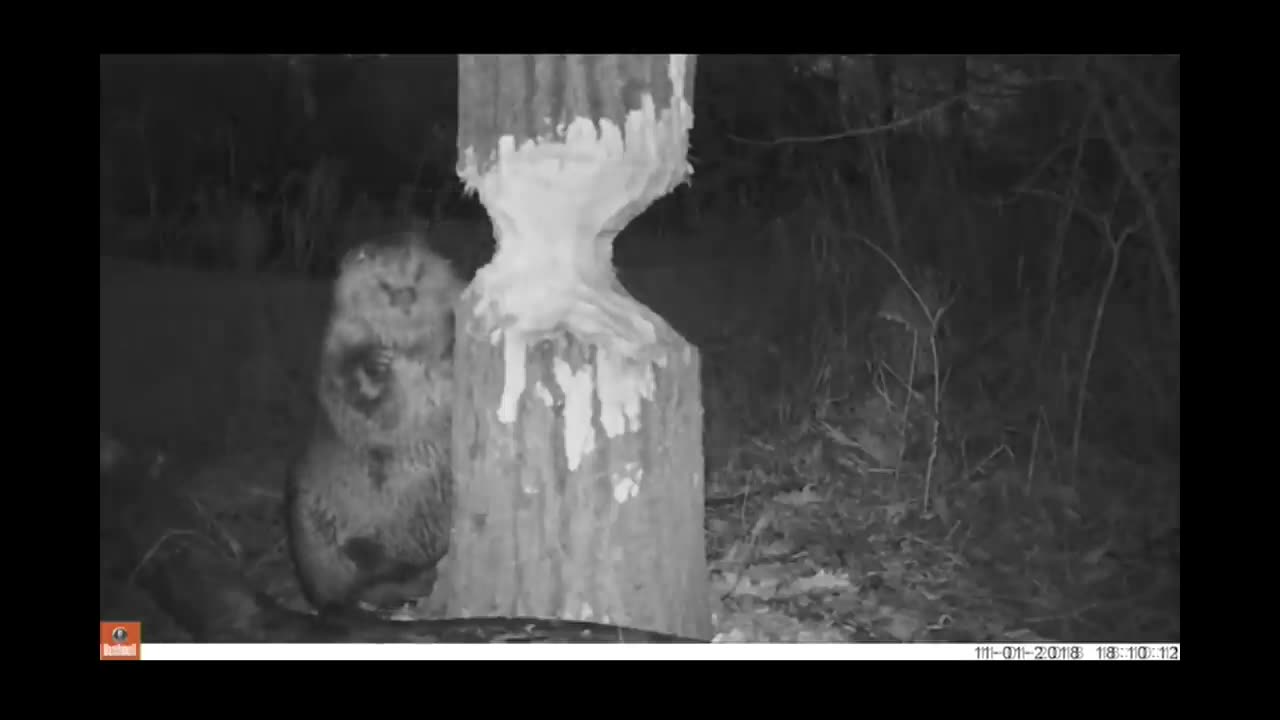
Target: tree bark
(884, 68)
(578, 421)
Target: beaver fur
(369, 500)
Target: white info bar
(998, 652)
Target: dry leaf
(823, 580)
(777, 549)
(903, 626)
(799, 497)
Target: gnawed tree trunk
(578, 423)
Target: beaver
(369, 499)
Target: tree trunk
(884, 69)
(958, 117)
(578, 422)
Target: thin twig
(906, 407)
(856, 132)
(1031, 464)
(928, 311)
(155, 547)
(935, 317)
(1157, 228)
(1064, 225)
(1116, 246)
(937, 419)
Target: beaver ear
(356, 255)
